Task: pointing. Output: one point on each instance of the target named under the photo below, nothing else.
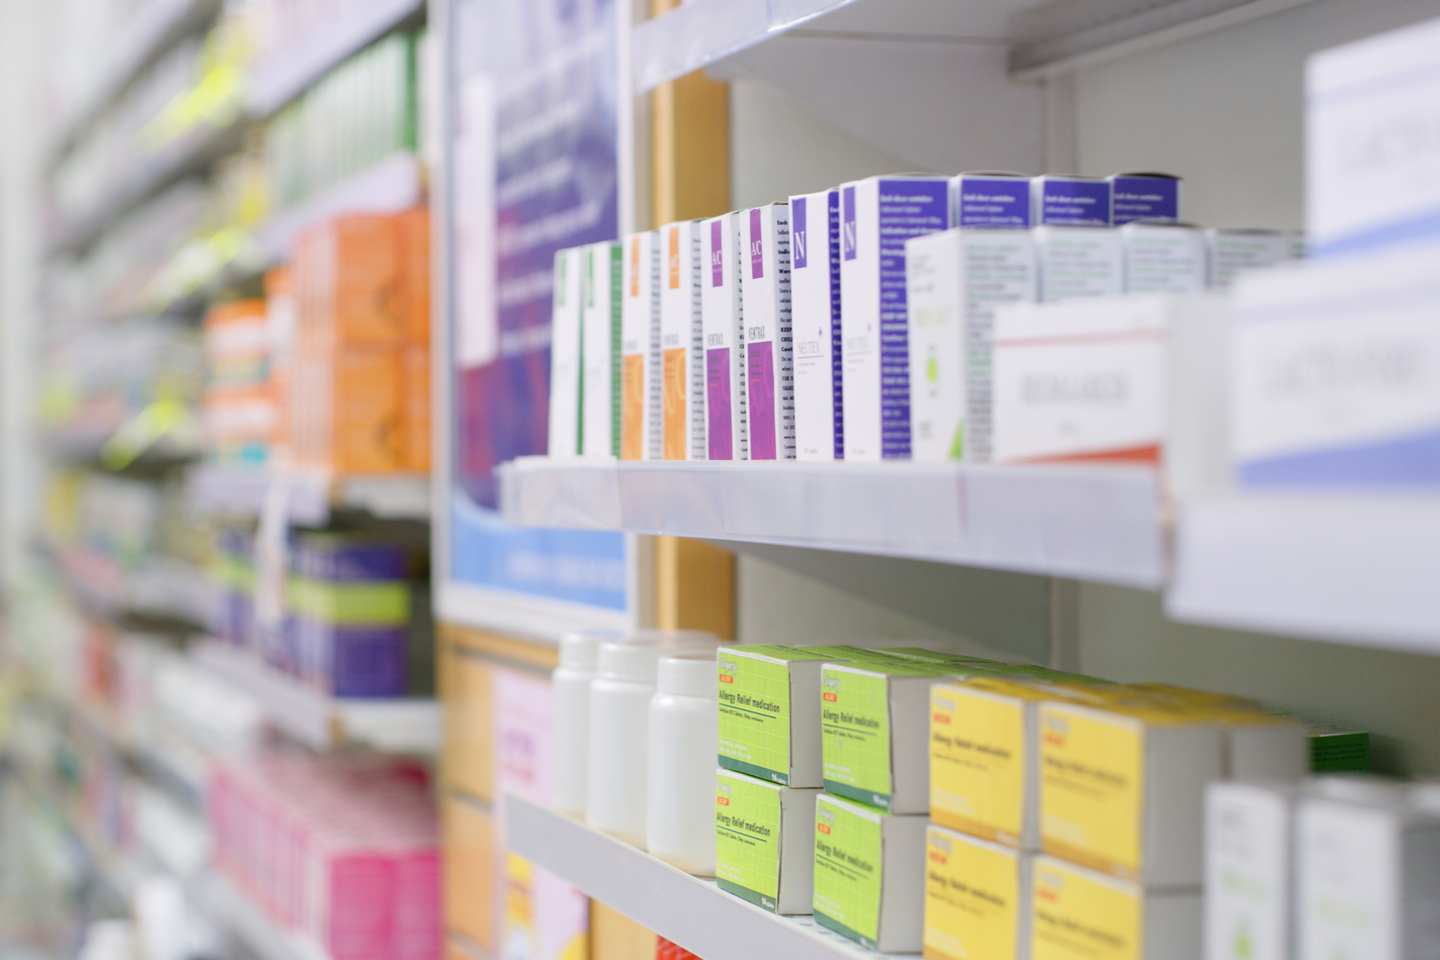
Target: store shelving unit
(219, 899)
(694, 913)
(318, 720)
(1087, 522)
(242, 491)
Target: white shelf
(276, 83)
(317, 719)
(227, 907)
(243, 491)
(1353, 569)
(390, 186)
(694, 913)
(1087, 522)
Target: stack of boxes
(240, 408)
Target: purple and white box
(768, 344)
(720, 307)
(1143, 196)
(1067, 200)
(815, 316)
(877, 216)
(991, 201)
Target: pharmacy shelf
(1351, 569)
(309, 498)
(163, 589)
(1043, 37)
(159, 25)
(390, 186)
(220, 900)
(316, 719)
(278, 81)
(1089, 522)
(694, 913)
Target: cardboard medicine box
(1249, 852)
(682, 343)
(765, 284)
(1143, 196)
(869, 874)
(977, 898)
(564, 440)
(600, 321)
(640, 412)
(726, 406)
(1073, 262)
(765, 842)
(1079, 914)
(816, 326)
(1164, 258)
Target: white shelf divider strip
(694, 913)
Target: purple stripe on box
(761, 368)
(837, 366)
(849, 238)
(1074, 203)
(1408, 461)
(757, 247)
(994, 202)
(367, 661)
(717, 254)
(1144, 198)
(799, 258)
(717, 393)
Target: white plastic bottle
(570, 744)
(684, 727)
(625, 674)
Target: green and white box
(1249, 851)
(954, 281)
(769, 714)
(1163, 257)
(600, 312)
(764, 844)
(1078, 262)
(1230, 252)
(564, 439)
(875, 730)
(870, 874)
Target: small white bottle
(620, 694)
(684, 728)
(570, 751)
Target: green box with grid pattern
(764, 843)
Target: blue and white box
(815, 318)
(1336, 373)
(1068, 200)
(1372, 157)
(992, 201)
(768, 339)
(877, 216)
(1143, 196)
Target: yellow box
(1078, 914)
(977, 898)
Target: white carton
(768, 343)
(877, 216)
(1249, 849)
(564, 436)
(1231, 251)
(682, 343)
(726, 413)
(815, 316)
(1080, 379)
(1076, 262)
(1163, 258)
(955, 279)
(600, 351)
(1371, 109)
(640, 412)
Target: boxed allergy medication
(765, 842)
(815, 319)
(977, 898)
(869, 874)
(1078, 914)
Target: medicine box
(1143, 196)
(600, 309)
(1336, 374)
(726, 418)
(564, 437)
(870, 874)
(1249, 850)
(1066, 200)
(1369, 159)
(1073, 262)
(990, 201)
(955, 280)
(877, 216)
(1078, 914)
(816, 326)
(977, 898)
(768, 343)
(640, 410)
(682, 342)
(1163, 258)
(1081, 379)
(1230, 252)
(765, 842)
(769, 714)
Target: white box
(1080, 379)
(1367, 880)
(955, 279)
(564, 435)
(1163, 258)
(1079, 914)
(767, 337)
(640, 412)
(1068, 200)
(600, 350)
(682, 343)
(1231, 251)
(877, 216)
(726, 415)
(1075, 262)
(815, 316)
(1371, 111)
(1249, 850)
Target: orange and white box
(641, 418)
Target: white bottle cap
(579, 650)
(634, 659)
(688, 675)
